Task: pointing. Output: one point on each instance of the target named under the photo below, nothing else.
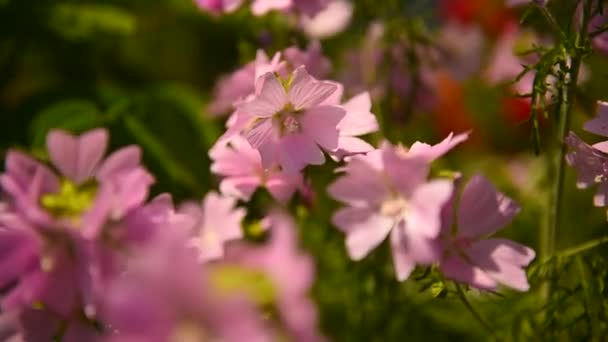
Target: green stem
(583, 247)
(474, 312)
(556, 170)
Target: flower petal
(307, 92)
(456, 268)
(77, 157)
(270, 100)
(599, 124)
(402, 260)
(320, 123)
(298, 150)
(363, 236)
(483, 210)
(423, 217)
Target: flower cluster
(87, 256)
(79, 239)
(387, 192)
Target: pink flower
(88, 191)
(470, 257)
(316, 63)
(332, 20)
(288, 273)
(219, 6)
(591, 161)
(387, 192)
(243, 172)
(233, 88)
(359, 120)
(165, 295)
(286, 121)
(217, 221)
(261, 7)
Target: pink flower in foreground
(286, 121)
(243, 172)
(284, 276)
(387, 193)
(591, 161)
(470, 257)
(217, 221)
(165, 295)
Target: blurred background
(147, 70)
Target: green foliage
(74, 115)
(86, 21)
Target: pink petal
(358, 119)
(363, 236)
(348, 217)
(221, 214)
(431, 153)
(362, 185)
(599, 124)
(261, 7)
(456, 268)
(335, 99)
(237, 122)
(296, 151)
(402, 261)
(241, 187)
(503, 249)
(502, 261)
(270, 100)
(259, 132)
(350, 145)
(424, 214)
(483, 210)
(125, 159)
(306, 92)
(77, 157)
(236, 158)
(320, 123)
(282, 185)
(405, 173)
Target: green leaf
(74, 115)
(167, 123)
(84, 21)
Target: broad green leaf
(74, 115)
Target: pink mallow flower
(278, 276)
(591, 161)
(87, 192)
(468, 255)
(233, 88)
(64, 235)
(166, 295)
(286, 121)
(241, 167)
(387, 193)
(217, 221)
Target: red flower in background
(492, 15)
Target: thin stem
(557, 166)
(474, 312)
(583, 247)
